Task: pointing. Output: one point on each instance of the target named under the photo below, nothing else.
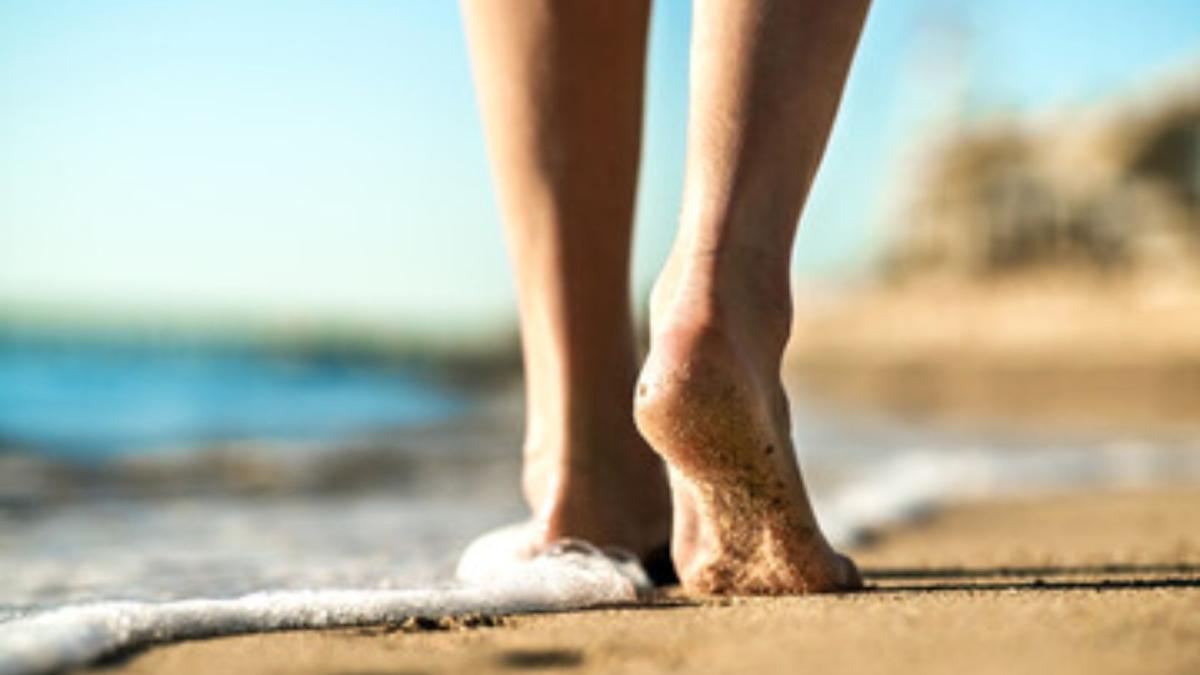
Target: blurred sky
(321, 161)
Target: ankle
(743, 307)
(708, 282)
(565, 467)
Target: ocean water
(152, 494)
(88, 400)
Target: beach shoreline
(1102, 582)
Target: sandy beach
(1068, 583)
(1045, 353)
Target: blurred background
(254, 298)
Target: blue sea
(93, 400)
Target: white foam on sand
(571, 576)
(499, 576)
(913, 483)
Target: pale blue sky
(323, 161)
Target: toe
(849, 578)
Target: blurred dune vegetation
(1044, 267)
(1114, 190)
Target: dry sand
(1064, 584)
(1057, 353)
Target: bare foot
(711, 403)
(609, 489)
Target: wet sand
(1096, 583)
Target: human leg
(767, 77)
(560, 86)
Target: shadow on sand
(1050, 578)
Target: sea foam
(570, 576)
